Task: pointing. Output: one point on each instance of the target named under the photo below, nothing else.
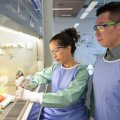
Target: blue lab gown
(77, 110)
(106, 84)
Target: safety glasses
(101, 27)
(56, 50)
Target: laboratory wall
(88, 48)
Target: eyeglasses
(56, 50)
(101, 27)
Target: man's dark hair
(113, 8)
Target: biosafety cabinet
(21, 47)
(18, 52)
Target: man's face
(108, 35)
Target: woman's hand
(23, 94)
(22, 81)
(19, 93)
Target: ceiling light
(62, 8)
(76, 25)
(84, 15)
(66, 15)
(89, 8)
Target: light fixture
(66, 15)
(89, 8)
(62, 8)
(76, 25)
(10, 30)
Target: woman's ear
(118, 26)
(69, 49)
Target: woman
(68, 80)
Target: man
(106, 80)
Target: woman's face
(60, 53)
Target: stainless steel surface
(22, 12)
(18, 110)
(15, 110)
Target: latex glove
(24, 94)
(22, 81)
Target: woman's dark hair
(68, 37)
(113, 8)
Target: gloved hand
(22, 81)
(24, 94)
